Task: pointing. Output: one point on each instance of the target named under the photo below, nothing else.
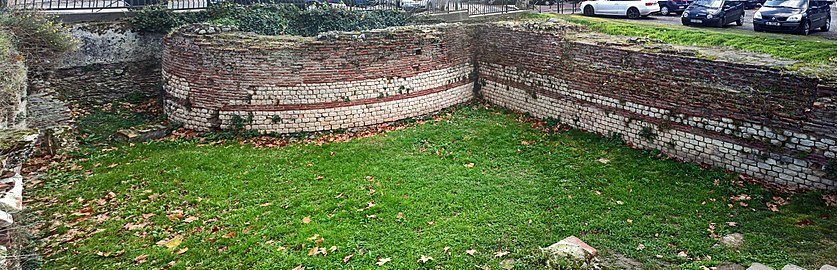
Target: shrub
(161, 19)
(262, 21)
(37, 34)
(270, 19)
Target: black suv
(714, 12)
(800, 16)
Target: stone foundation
(219, 80)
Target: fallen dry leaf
(500, 254)
(299, 268)
(181, 251)
(640, 247)
(471, 252)
(190, 219)
(170, 243)
(229, 235)
(140, 259)
(306, 220)
(382, 261)
(348, 257)
(469, 165)
(425, 259)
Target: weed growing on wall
(36, 34)
(270, 19)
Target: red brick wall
(291, 84)
(748, 118)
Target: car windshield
(710, 3)
(788, 4)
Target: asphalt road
(675, 19)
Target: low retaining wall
(750, 119)
(217, 80)
(113, 61)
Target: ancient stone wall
(752, 118)
(748, 118)
(113, 62)
(218, 80)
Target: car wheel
(805, 28)
(740, 20)
(633, 13)
(721, 23)
(827, 25)
(664, 11)
(588, 11)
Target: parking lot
(675, 19)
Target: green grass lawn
(479, 179)
(807, 49)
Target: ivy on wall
(270, 19)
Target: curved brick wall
(748, 118)
(215, 79)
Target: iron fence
(472, 7)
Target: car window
(709, 3)
(798, 4)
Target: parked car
(748, 4)
(423, 5)
(672, 6)
(633, 9)
(800, 16)
(717, 13)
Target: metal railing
(472, 7)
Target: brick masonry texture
(217, 79)
(746, 118)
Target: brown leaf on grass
(348, 257)
(603, 161)
(830, 199)
(299, 268)
(445, 250)
(683, 254)
(229, 235)
(400, 215)
(133, 226)
(332, 249)
(772, 207)
(175, 215)
(181, 251)
(190, 219)
(500, 254)
(640, 247)
(711, 230)
(369, 204)
(425, 259)
(265, 204)
(306, 220)
(146, 216)
(471, 252)
(732, 224)
(314, 237)
(469, 165)
(780, 200)
(382, 261)
(140, 259)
